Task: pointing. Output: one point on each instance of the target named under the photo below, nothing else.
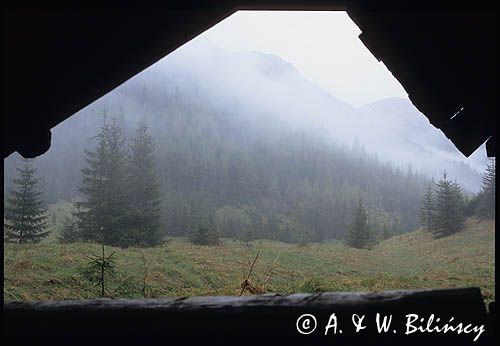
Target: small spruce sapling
(98, 268)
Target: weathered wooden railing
(264, 317)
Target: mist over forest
(244, 142)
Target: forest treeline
(249, 162)
(123, 203)
(293, 188)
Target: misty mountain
(409, 138)
(393, 129)
(244, 135)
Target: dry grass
(49, 271)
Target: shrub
(205, 236)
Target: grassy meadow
(49, 270)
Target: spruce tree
(68, 231)
(486, 197)
(427, 211)
(359, 235)
(460, 202)
(449, 217)
(98, 269)
(385, 232)
(143, 190)
(25, 216)
(101, 215)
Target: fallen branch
(247, 285)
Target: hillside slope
(260, 91)
(231, 144)
(412, 261)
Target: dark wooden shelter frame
(55, 61)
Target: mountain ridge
(231, 84)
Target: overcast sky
(323, 46)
